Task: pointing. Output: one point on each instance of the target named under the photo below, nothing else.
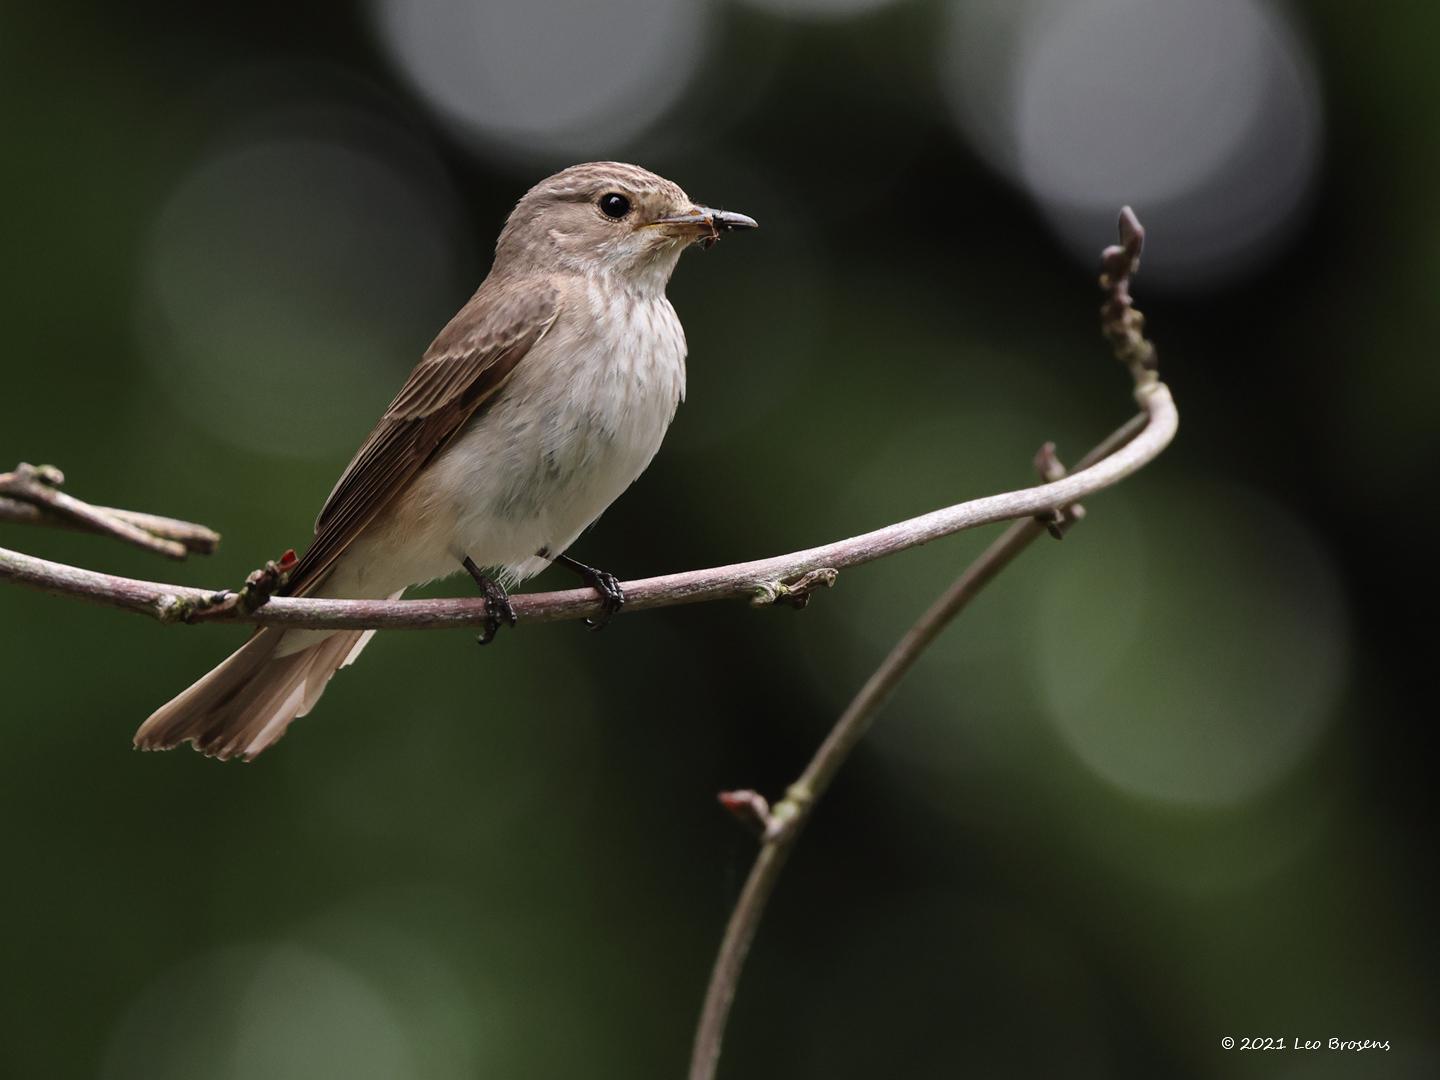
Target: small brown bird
(541, 401)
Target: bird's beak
(705, 224)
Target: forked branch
(782, 577)
(31, 495)
(779, 826)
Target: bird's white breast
(576, 424)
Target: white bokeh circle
(1205, 117)
(548, 76)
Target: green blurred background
(1165, 783)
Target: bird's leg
(497, 602)
(612, 596)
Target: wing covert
(463, 368)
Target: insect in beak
(708, 224)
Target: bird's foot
(612, 596)
(497, 603)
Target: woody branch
(779, 579)
(779, 826)
(762, 581)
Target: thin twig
(31, 495)
(761, 580)
(780, 825)
(788, 579)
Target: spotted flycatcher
(540, 402)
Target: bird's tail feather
(246, 704)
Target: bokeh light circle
(553, 76)
(1198, 657)
(292, 278)
(278, 1012)
(1205, 117)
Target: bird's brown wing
(462, 369)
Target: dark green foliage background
(510, 862)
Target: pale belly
(576, 424)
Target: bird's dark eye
(614, 205)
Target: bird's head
(611, 218)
